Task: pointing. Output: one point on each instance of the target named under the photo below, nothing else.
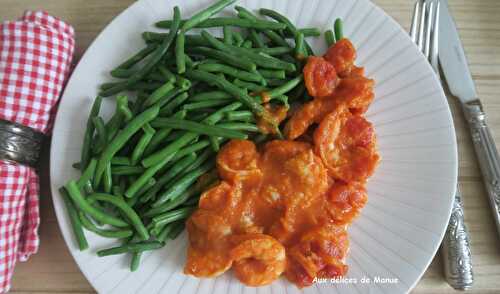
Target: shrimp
(346, 144)
(238, 159)
(258, 259)
(320, 253)
(208, 246)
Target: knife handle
(456, 248)
(487, 154)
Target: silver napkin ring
(19, 143)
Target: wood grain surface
(53, 270)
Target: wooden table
(53, 270)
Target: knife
(458, 77)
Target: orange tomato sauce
(283, 208)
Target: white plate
(410, 194)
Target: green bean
(148, 174)
(142, 144)
(107, 179)
(126, 209)
(290, 28)
(229, 22)
(238, 39)
(162, 236)
(276, 82)
(124, 170)
(208, 96)
(228, 35)
(118, 234)
(195, 127)
(114, 124)
(206, 104)
(256, 39)
(131, 247)
(157, 77)
(162, 134)
(273, 50)
(329, 38)
(121, 73)
(159, 93)
(135, 261)
(187, 137)
(247, 44)
(202, 157)
(171, 216)
(89, 133)
(101, 134)
(116, 88)
(229, 58)
(206, 13)
(144, 85)
(193, 190)
(183, 183)
(239, 126)
(120, 160)
(214, 143)
(281, 89)
(166, 73)
(87, 174)
(121, 139)
(180, 55)
(200, 114)
(85, 206)
(191, 148)
(122, 107)
(273, 36)
(75, 220)
(225, 85)
(249, 86)
(190, 23)
(172, 105)
(300, 53)
(168, 97)
(137, 57)
(272, 74)
(176, 169)
(157, 55)
(230, 71)
(259, 59)
(310, 32)
(176, 229)
(182, 82)
(338, 27)
(242, 115)
(149, 184)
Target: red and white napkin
(35, 60)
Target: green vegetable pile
(187, 94)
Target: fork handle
(456, 248)
(487, 154)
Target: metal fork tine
(414, 21)
(435, 38)
(428, 29)
(421, 28)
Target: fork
(455, 249)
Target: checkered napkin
(35, 59)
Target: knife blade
(452, 58)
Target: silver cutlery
(426, 33)
(459, 79)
